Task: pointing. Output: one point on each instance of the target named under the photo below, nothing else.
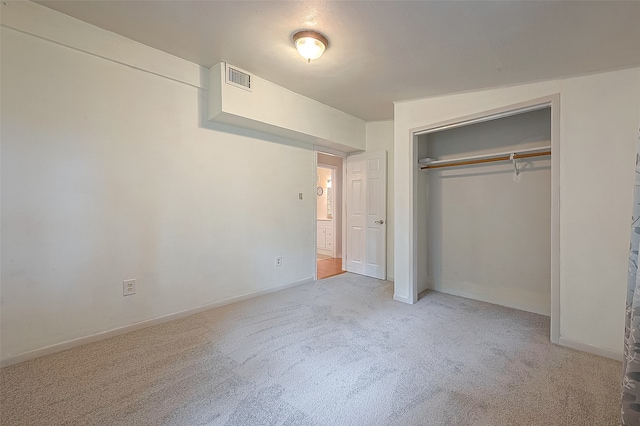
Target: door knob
(379, 222)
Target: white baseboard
(63, 346)
(596, 350)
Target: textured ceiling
(383, 51)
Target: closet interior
(484, 211)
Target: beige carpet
(337, 352)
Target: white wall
(489, 231)
(109, 173)
(598, 131)
(379, 138)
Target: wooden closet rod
(506, 157)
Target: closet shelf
(486, 158)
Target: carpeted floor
(336, 352)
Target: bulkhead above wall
(242, 99)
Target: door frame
(552, 102)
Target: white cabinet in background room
(325, 237)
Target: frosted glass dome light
(310, 44)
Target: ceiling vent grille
(239, 78)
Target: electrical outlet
(278, 261)
(128, 287)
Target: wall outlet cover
(128, 287)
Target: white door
(366, 205)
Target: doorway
(329, 215)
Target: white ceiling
(383, 51)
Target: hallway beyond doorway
(329, 267)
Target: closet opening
(486, 223)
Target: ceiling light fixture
(310, 44)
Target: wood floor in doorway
(329, 267)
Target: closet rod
(537, 152)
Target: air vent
(237, 77)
